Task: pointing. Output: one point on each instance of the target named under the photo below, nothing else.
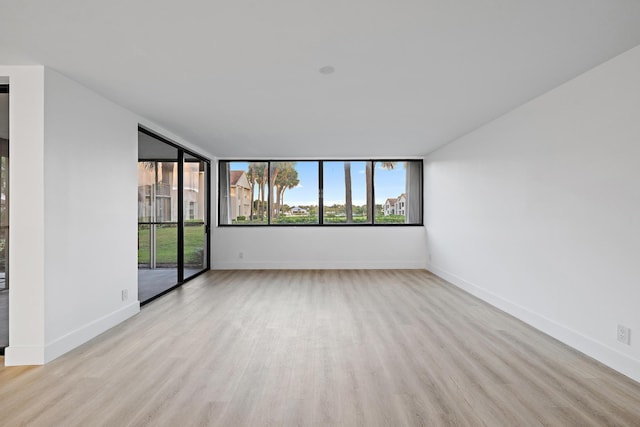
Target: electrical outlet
(240, 255)
(125, 294)
(624, 335)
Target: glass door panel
(195, 215)
(157, 217)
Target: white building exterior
(395, 206)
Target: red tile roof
(234, 176)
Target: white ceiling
(242, 78)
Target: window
(346, 192)
(299, 181)
(258, 193)
(398, 192)
(192, 210)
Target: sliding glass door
(4, 217)
(172, 216)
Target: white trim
(592, 348)
(37, 355)
(91, 330)
(320, 265)
(23, 355)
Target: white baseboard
(23, 355)
(73, 339)
(38, 355)
(318, 265)
(595, 349)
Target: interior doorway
(173, 215)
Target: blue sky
(388, 183)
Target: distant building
(297, 210)
(401, 204)
(240, 195)
(389, 207)
(395, 206)
(158, 191)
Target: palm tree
(264, 178)
(255, 176)
(276, 169)
(369, 177)
(287, 179)
(388, 165)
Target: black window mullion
(373, 192)
(321, 192)
(269, 192)
(207, 227)
(180, 216)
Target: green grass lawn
(166, 244)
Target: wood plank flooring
(350, 348)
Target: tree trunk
(347, 189)
(253, 186)
(261, 198)
(277, 206)
(272, 187)
(265, 179)
(282, 190)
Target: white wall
(90, 213)
(73, 218)
(318, 247)
(348, 247)
(538, 212)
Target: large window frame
(222, 204)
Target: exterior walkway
(156, 281)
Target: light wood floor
(387, 348)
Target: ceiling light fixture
(327, 69)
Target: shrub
(296, 220)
